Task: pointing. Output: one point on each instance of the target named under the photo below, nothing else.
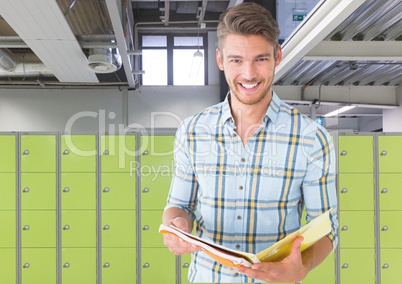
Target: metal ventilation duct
(7, 60)
(104, 60)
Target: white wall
(392, 119)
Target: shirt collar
(272, 112)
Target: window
(173, 59)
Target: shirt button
(241, 187)
(238, 217)
(237, 246)
(234, 134)
(236, 274)
(243, 160)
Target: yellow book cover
(311, 232)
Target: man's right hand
(175, 244)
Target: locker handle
(106, 189)
(146, 228)
(345, 266)
(26, 152)
(384, 190)
(106, 227)
(344, 190)
(66, 227)
(26, 265)
(345, 228)
(145, 152)
(385, 266)
(145, 190)
(344, 153)
(146, 265)
(66, 152)
(26, 189)
(186, 265)
(106, 152)
(383, 153)
(66, 189)
(66, 265)
(26, 228)
(106, 265)
(385, 228)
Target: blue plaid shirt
(249, 197)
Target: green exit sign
(298, 17)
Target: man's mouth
(249, 86)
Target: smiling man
(247, 167)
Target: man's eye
(262, 59)
(235, 60)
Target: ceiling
(340, 45)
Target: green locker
(78, 191)
(356, 192)
(118, 191)
(157, 154)
(118, 228)
(8, 271)
(38, 191)
(119, 265)
(357, 266)
(78, 228)
(8, 191)
(78, 153)
(185, 261)
(355, 154)
(390, 191)
(356, 229)
(118, 153)
(8, 228)
(154, 190)
(150, 222)
(7, 153)
(390, 229)
(324, 273)
(391, 265)
(158, 265)
(38, 229)
(38, 153)
(78, 266)
(389, 154)
(38, 265)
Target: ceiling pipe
(7, 60)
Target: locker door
(8, 271)
(38, 266)
(78, 191)
(389, 154)
(38, 153)
(118, 153)
(158, 265)
(157, 153)
(357, 266)
(390, 229)
(118, 228)
(185, 261)
(78, 153)
(78, 266)
(38, 229)
(78, 228)
(356, 192)
(118, 191)
(119, 265)
(356, 229)
(8, 191)
(8, 229)
(38, 191)
(150, 222)
(7, 153)
(154, 190)
(355, 154)
(391, 266)
(390, 191)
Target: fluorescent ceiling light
(338, 111)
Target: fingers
(178, 246)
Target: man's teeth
(249, 86)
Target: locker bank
(92, 93)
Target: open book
(312, 232)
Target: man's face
(249, 65)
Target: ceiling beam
(115, 18)
(356, 50)
(314, 28)
(43, 27)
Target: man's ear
(278, 55)
(219, 59)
